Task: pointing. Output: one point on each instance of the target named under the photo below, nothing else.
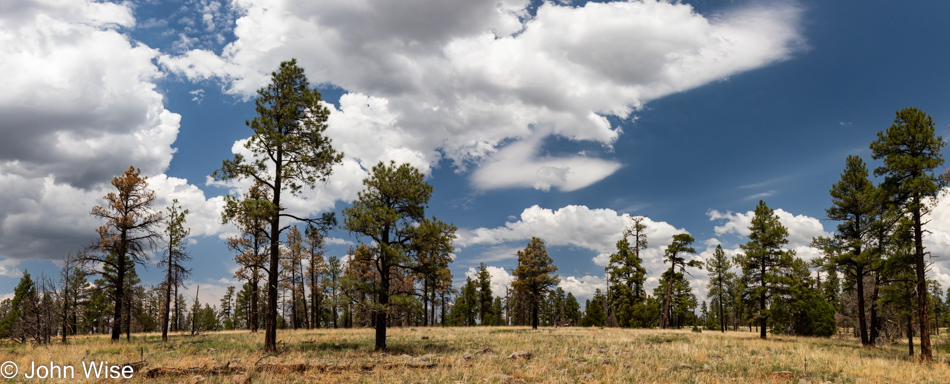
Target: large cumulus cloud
(463, 80)
(79, 106)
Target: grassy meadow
(481, 355)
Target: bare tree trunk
(862, 321)
(926, 354)
(270, 330)
(119, 290)
(382, 311)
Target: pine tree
(431, 254)
(911, 151)
(534, 275)
(572, 310)
(496, 312)
(251, 245)
(290, 152)
(484, 293)
(175, 255)
(799, 309)
(227, 307)
(594, 310)
(625, 276)
(315, 247)
(852, 200)
(719, 280)
(680, 304)
(762, 259)
(292, 256)
(390, 210)
(680, 245)
(465, 310)
(334, 272)
(127, 237)
(19, 323)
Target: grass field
(481, 355)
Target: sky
(556, 119)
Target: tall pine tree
(761, 260)
(290, 152)
(852, 200)
(911, 152)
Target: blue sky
(531, 119)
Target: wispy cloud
(197, 95)
(765, 183)
(759, 195)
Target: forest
(871, 282)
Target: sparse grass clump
(480, 354)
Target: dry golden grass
(438, 355)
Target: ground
(485, 355)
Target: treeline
(41, 309)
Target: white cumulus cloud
(467, 80)
(79, 106)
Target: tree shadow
(324, 346)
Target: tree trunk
(665, 320)
(255, 299)
(926, 354)
(722, 317)
(304, 316)
(425, 302)
(176, 326)
(432, 307)
(128, 317)
(166, 306)
(534, 314)
(194, 314)
(314, 299)
(862, 321)
(119, 295)
(294, 320)
(270, 330)
(762, 334)
(875, 321)
(66, 305)
(335, 315)
(381, 312)
(383, 308)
